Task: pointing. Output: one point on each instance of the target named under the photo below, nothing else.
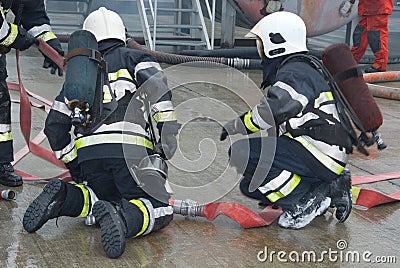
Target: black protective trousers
(247, 156)
(6, 145)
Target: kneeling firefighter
(314, 137)
(110, 94)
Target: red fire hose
(33, 146)
(247, 218)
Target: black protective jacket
(300, 104)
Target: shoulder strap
(344, 109)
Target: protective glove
(23, 40)
(167, 144)
(48, 63)
(229, 129)
(271, 7)
(234, 127)
(75, 171)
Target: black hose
(169, 58)
(240, 52)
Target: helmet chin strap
(260, 48)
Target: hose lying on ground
(169, 58)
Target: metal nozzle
(189, 208)
(90, 220)
(8, 195)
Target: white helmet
(105, 24)
(281, 33)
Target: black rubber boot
(313, 204)
(46, 206)
(112, 226)
(8, 177)
(340, 192)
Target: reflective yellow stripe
(112, 138)
(107, 97)
(11, 37)
(47, 36)
(120, 73)
(146, 218)
(6, 136)
(328, 162)
(86, 200)
(249, 124)
(164, 116)
(285, 190)
(69, 156)
(355, 191)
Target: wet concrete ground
(199, 242)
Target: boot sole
(35, 215)
(112, 233)
(348, 207)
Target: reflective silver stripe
(120, 86)
(257, 119)
(282, 129)
(330, 150)
(295, 122)
(12, 35)
(61, 107)
(163, 211)
(65, 150)
(37, 30)
(122, 126)
(330, 109)
(5, 128)
(162, 106)
(293, 93)
(93, 198)
(145, 65)
(323, 97)
(276, 182)
(5, 28)
(113, 139)
(323, 158)
(152, 217)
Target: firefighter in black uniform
(123, 203)
(307, 173)
(31, 22)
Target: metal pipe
(389, 76)
(385, 92)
